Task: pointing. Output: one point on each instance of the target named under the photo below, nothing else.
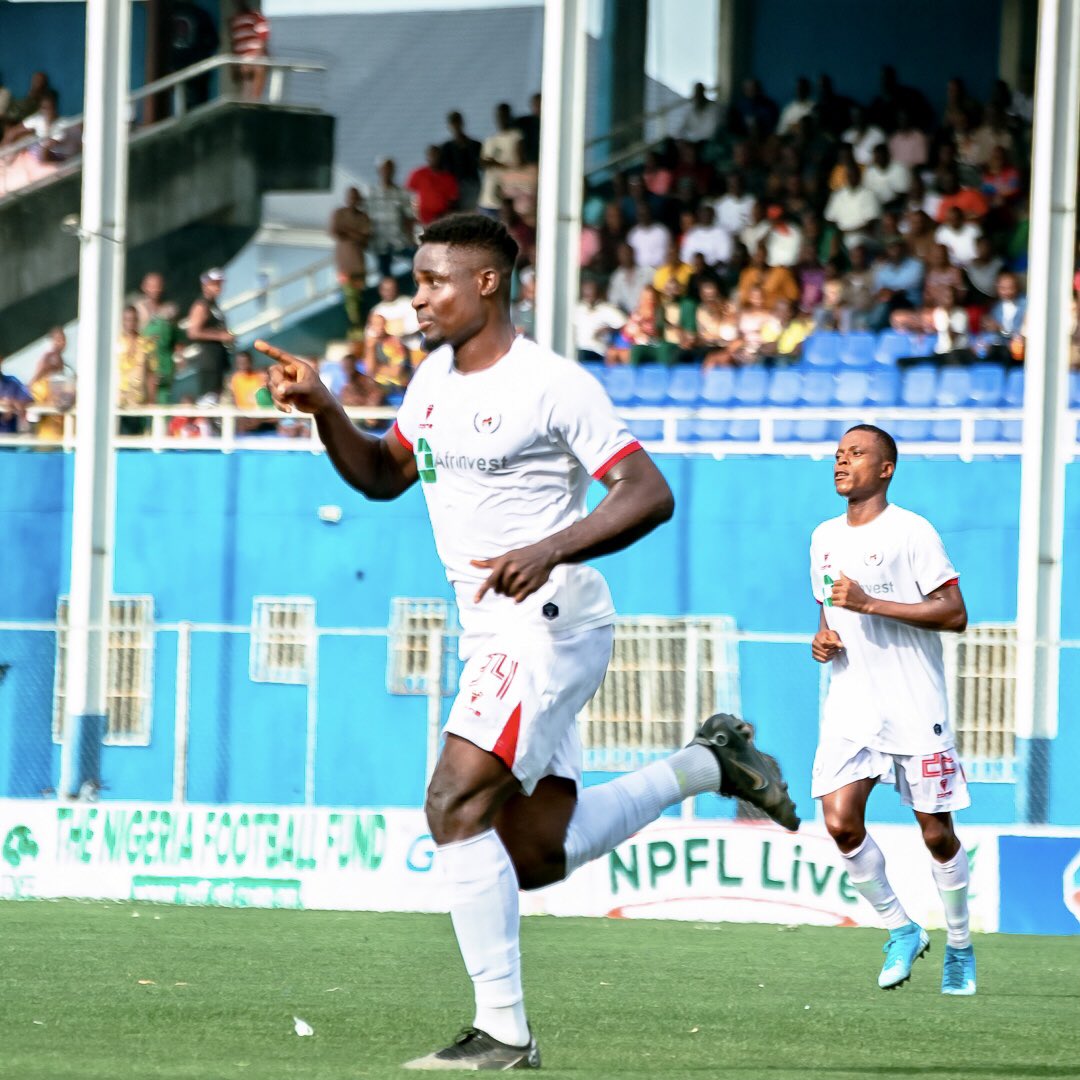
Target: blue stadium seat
(1013, 397)
(987, 385)
(884, 387)
(646, 430)
(857, 350)
(987, 430)
(620, 385)
(684, 386)
(813, 429)
(911, 430)
(595, 368)
(718, 386)
(685, 430)
(785, 386)
(919, 386)
(743, 430)
(891, 346)
(395, 397)
(1011, 431)
(1074, 389)
(783, 430)
(945, 430)
(819, 388)
(751, 384)
(710, 430)
(822, 350)
(651, 384)
(953, 388)
(853, 388)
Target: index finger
(279, 356)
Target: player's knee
(939, 838)
(453, 815)
(848, 833)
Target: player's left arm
(638, 499)
(942, 609)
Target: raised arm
(943, 609)
(379, 468)
(638, 499)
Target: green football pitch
(115, 991)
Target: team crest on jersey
(487, 423)
(873, 558)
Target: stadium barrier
(267, 856)
(965, 433)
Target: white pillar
(101, 283)
(1042, 484)
(562, 160)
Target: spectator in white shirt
(887, 179)
(783, 240)
(853, 209)
(733, 209)
(758, 228)
(959, 236)
(594, 321)
(397, 310)
(862, 136)
(498, 153)
(627, 280)
(649, 239)
(707, 237)
(907, 145)
(701, 117)
(795, 110)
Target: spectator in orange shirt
(250, 37)
(775, 282)
(972, 203)
(435, 191)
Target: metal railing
(645, 131)
(175, 86)
(769, 438)
(275, 301)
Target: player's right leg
(467, 789)
(844, 776)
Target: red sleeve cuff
(401, 437)
(615, 458)
(951, 581)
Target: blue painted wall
(204, 533)
(928, 42)
(51, 37)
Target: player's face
(451, 284)
(860, 470)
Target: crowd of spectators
(753, 228)
(758, 225)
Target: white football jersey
(887, 686)
(506, 456)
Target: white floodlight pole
(101, 283)
(1042, 482)
(562, 162)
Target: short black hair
(475, 231)
(885, 440)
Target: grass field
(117, 991)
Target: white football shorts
(519, 698)
(930, 783)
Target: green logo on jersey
(425, 462)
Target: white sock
(866, 872)
(483, 893)
(610, 813)
(952, 884)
